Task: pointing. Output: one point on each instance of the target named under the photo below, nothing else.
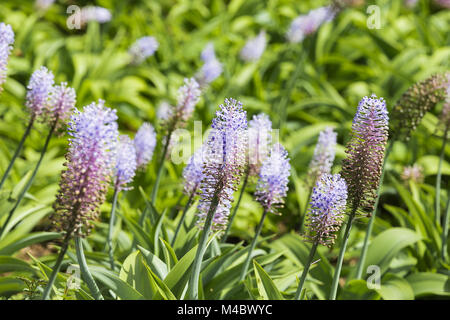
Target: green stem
(111, 228)
(445, 229)
(365, 247)
(195, 275)
(160, 168)
(438, 180)
(337, 272)
(30, 181)
(51, 280)
(183, 216)
(85, 270)
(306, 269)
(252, 246)
(233, 214)
(303, 216)
(16, 153)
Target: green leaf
(10, 264)
(427, 283)
(393, 287)
(10, 285)
(267, 289)
(357, 290)
(156, 265)
(387, 245)
(27, 240)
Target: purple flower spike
(143, 48)
(61, 104)
(144, 143)
(6, 41)
(39, 89)
(305, 25)
(193, 173)
(327, 208)
(90, 162)
(125, 163)
(254, 48)
(223, 162)
(211, 69)
(259, 141)
(324, 153)
(272, 185)
(365, 153)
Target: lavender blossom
(188, 97)
(224, 162)
(254, 48)
(193, 173)
(89, 166)
(412, 173)
(272, 185)
(326, 210)
(259, 141)
(305, 25)
(323, 157)
(61, 104)
(415, 102)
(211, 69)
(6, 41)
(94, 13)
(144, 143)
(164, 111)
(143, 48)
(125, 163)
(39, 89)
(365, 153)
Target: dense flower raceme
(365, 153)
(444, 119)
(223, 162)
(144, 143)
(61, 104)
(414, 103)
(305, 25)
(6, 41)
(143, 48)
(164, 111)
(327, 207)
(193, 173)
(254, 48)
(272, 185)
(90, 162)
(188, 97)
(259, 141)
(211, 69)
(324, 153)
(39, 89)
(125, 163)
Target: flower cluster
(144, 143)
(211, 69)
(324, 153)
(61, 104)
(272, 185)
(193, 173)
(365, 153)
(125, 163)
(188, 97)
(254, 48)
(259, 141)
(326, 211)
(305, 25)
(414, 103)
(94, 13)
(223, 162)
(39, 89)
(412, 173)
(143, 48)
(6, 41)
(444, 119)
(90, 161)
